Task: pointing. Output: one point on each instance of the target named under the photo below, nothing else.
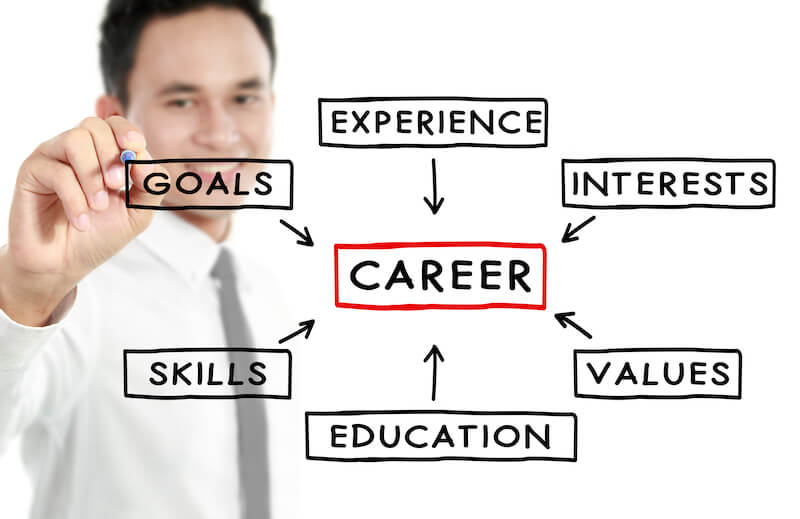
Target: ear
(108, 105)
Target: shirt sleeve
(20, 343)
(24, 377)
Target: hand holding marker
(69, 215)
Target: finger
(59, 178)
(107, 149)
(140, 197)
(127, 134)
(75, 147)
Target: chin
(210, 214)
(203, 201)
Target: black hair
(125, 19)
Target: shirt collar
(182, 246)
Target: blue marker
(127, 155)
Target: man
(83, 277)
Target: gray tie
(250, 412)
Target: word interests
(223, 183)
(668, 183)
(178, 373)
(627, 373)
(432, 122)
(440, 435)
(440, 275)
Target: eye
(243, 99)
(180, 103)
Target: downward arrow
(305, 238)
(437, 202)
(569, 232)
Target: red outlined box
(437, 306)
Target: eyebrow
(187, 88)
(253, 83)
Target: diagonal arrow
(305, 326)
(437, 203)
(305, 237)
(437, 356)
(564, 319)
(569, 232)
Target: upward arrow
(437, 356)
(305, 326)
(563, 319)
(437, 202)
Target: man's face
(200, 87)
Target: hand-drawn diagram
(493, 275)
(464, 275)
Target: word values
(628, 373)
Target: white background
(622, 79)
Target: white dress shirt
(91, 452)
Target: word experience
(433, 122)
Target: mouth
(209, 170)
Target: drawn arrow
(305, 326)
(437, 202)
(437, 356)
(564, 319)
(569, 232)
(305, 237)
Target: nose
(217, 127)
